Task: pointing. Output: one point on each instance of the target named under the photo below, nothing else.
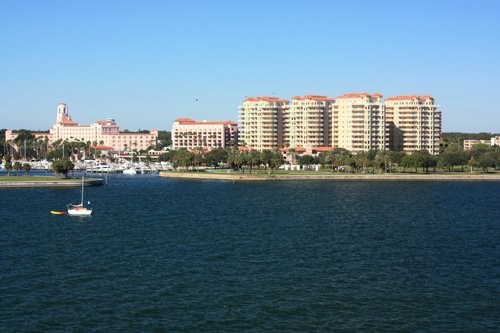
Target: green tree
(336, 158)
(216, 157)
(17, 166)
(395, 157)
(490, 159)
(7, 163)
(410, 161)
(26, 168)
(236, 159)
(276, 160)
(453, 155)
(424, 160)
(362, 160)
(478, 150)
(306, 160)
(254, 159)
(62, 167)
(167, 156)
(266, 157)
(382, 160)
(183, 158)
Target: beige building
(187, 133)
(413, 123)
(102, 132)
(306, 121)
(261, 122)
(494, 141)
(358, 122)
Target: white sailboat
(79, 210)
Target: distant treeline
(458, 137)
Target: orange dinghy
(53, 212)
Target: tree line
(480, 156)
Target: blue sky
(146, 63)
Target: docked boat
(130, 171)
(80, 209)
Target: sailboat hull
(80, 211)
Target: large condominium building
(187, 133)
(261, 123)
(306, 122)
(102, 132)
(413, 123)
(358, 122)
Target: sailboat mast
(82, 190)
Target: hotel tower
(306, 122)
(413, 123)
(261, 122)
(358, 122)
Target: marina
(100, 167)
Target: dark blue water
(208, 256)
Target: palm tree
(381, 159)
(17, 166)
(330, 158)
(7, 163)
(26, 168)
(254, 159)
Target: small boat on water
(80, 209)
(54, 212)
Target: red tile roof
(408, 97)
(313, 97)
(359, 95)
(323, 149)
(187, 121)
(265, 99)
(105, 122)
(67, 122)
(101, 147)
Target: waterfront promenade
(329, 176)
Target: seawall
(333, 177)
(51, 183)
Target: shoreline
(50, 183)
(370, 177)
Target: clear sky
(146, 63)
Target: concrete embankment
(51, 183)
(216, 176)
(247, 177)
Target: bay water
(164, 255)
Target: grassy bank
(45, 181)
(14, 178)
